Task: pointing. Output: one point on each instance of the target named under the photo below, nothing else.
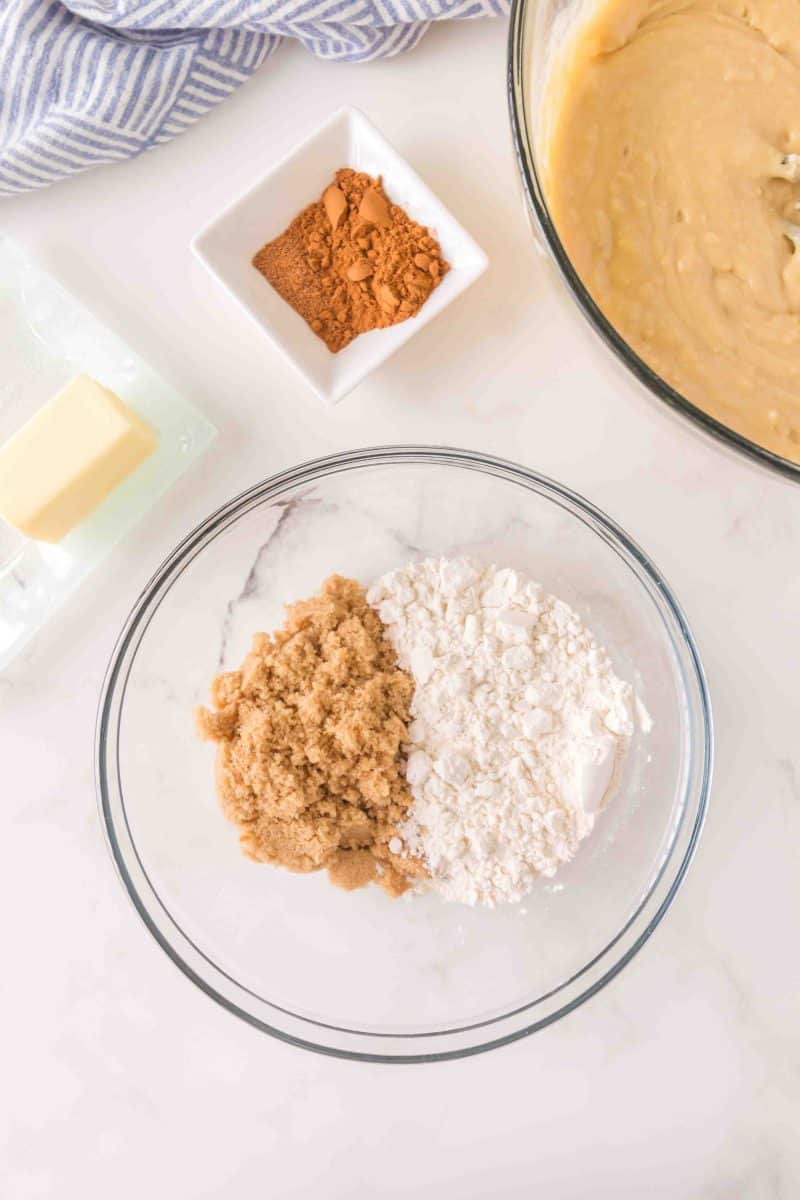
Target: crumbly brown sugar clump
(353, 261)
(310, 733)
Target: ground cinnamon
(353, 261)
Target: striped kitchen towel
(84, 82)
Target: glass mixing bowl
(357, 974)
(538, 29)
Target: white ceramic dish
(226, 247)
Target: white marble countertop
(682, 1078)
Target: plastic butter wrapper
(87, 498)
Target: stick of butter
(66, 460)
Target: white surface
(681, 1079)
(227, 245)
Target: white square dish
(226, 247)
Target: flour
(519, 725)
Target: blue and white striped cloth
(84, 82)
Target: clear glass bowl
(538, 28)
(357, 974)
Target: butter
(68, 458)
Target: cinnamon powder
(353, 261)
(310, 733)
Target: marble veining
(250, 587)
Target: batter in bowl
(672, 179)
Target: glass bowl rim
(108, 775)
(534, 193)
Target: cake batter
(672, 179)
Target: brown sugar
(353, 261)
(310, 733)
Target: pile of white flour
(519, 725)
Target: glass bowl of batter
(693, 147)
(359, 974)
